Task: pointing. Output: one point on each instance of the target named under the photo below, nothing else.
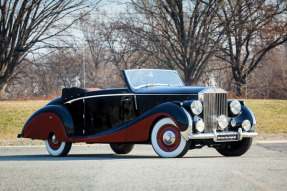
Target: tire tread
(122, 148)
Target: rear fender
(51, 118)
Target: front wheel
(122, 148)
(57, 148)
(167, 141)
(236, 148)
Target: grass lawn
(14, 114)
(271, 116)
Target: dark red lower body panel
(44, 124)
(141, 130)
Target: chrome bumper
(240, 135)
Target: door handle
(127, 100)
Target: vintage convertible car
(156, 108)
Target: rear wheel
(236, 148)
(167, 141)
(57, 148)
(122, 148)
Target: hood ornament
(212, 81)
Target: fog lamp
(246, 125)
(233, 122)
(222, 122)
(199, 126)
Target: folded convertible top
(72, 93)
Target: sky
(111, 7)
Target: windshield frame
(131, 87)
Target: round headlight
(196, 107)
(199, 126)
(235, 107)
(222, 122)
(246, 125)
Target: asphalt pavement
(96, 167)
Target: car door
(107, 112)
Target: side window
(127, 108)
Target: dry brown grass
(14, 114)
(271, 115)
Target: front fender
(246, 113)
(140, 128)
(177, 113)
(51, 118)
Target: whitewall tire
(167, 141)
(57, 148)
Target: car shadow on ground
(76, 157)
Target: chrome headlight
(196, 107)
(222, 121)
(235, 107)
(246, 125)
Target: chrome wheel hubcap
(54, 140)
(169, 137)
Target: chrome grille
(215, 104)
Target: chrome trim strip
(164, 94)
(108, 95)
(214, 135)
(187, 132)
(136, 103)
(104, 95)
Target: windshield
(148, 78)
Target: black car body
(156, 108)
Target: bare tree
(182, 34)
(253, 28)
(47, 76)
(124, 48)
(269, 79)
(66, 65)
(109, 42)
(95, 51)
(25, 23)
(92, 27)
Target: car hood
(170, 90)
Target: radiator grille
(215, 104)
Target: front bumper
(223, 136)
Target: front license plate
(230, 137)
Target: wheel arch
(177, 113)
(49, 119)
(246, 113)
(140, 129)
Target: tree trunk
(240, 91)
(3, 86)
